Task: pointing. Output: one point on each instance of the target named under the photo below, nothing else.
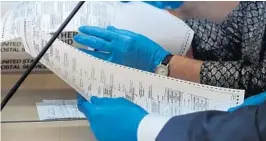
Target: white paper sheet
(157, 24)
(58, 109)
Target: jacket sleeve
(213, 41)
(235, 74)
(245, 124)
(219, 46)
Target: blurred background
(214, 10)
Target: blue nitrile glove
(122, 47)
(254, 100)
(163, 4)
(112, 119)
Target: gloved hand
(254, 100)
(122, 47)
(164, 4)
(112, 119)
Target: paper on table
(58, 109)
(155, 93)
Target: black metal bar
(40, 55)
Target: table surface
(20, 121)
(77, 130)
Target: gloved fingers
(174, 4)
(165, 4)
(157, 4)
(97, 100)
(102, 101)
(110, 101)
(80, 99)
(255, 100)
(93, 42)
(87, 108)
(99, 32)
(122, 31)
(100, 55)
(261, 96)
(81, 103)
(232, 109)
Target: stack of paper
(58, 109)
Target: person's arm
(244, 124)
(185, 68)
(217, 67)
(118, 119)
(218, 41)
(233, 74)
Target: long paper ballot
(155, 93)
(168, 31)
(157, 24)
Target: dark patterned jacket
(234, 52)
